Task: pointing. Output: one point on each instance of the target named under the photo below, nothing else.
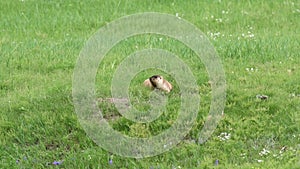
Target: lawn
(257, 42)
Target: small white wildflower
(160, 39)
(264, 152)
(219, 20)
(251, 69)
(260, 161)
(224, 136)
(224, 12)
(177, 15)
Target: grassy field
(257, 41)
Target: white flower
(251, 69)
(224, 136)
(219, 20)
(177, 15)
(264, 152)
(224, 12)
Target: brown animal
(158, 82)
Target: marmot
(158, 82)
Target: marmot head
(156, 79)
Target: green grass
(258, 44)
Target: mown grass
(257, 41)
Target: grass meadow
(257, 41)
